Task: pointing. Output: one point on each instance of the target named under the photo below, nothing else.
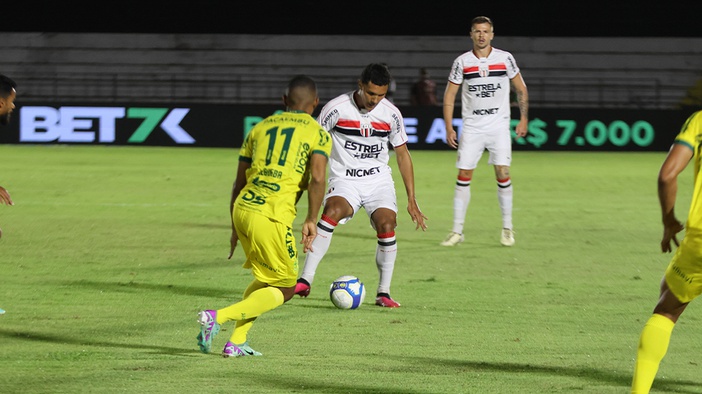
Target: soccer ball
(347, 292)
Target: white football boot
(452, 239)
(507, 238)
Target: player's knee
(465, 173)
(336, 213)
(385, 226)
(502, 172)
(337, 209)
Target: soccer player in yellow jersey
(282, 155)
(682, 281)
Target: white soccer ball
(347, 292)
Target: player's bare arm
(5, 197)
(449, 103)
(404, 163)
(522, 93)
(315, 196)
(676, 161)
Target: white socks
(461, 199)
(504, 196)
(385, 256)
(320, 245)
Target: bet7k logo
(88, 124)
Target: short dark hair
(7, 85)
(302, 81)
(481, 19)
(301, 91)
(377, 73)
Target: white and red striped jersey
(360, 137)
(485, 90)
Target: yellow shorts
(684, 273)
(269, 246)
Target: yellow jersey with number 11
(279, 149)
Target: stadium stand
(249, 69)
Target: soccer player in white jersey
(362, 123)
(485, 74)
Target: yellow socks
(653, 345)
(257, 303)
(258, 299)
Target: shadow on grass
(285, 384)
(231, 295)
(64, 340)
(420, 365)
(586, 373)
(132, 286)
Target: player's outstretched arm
(404, 163)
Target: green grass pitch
(110, 252)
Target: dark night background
(392, 17)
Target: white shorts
(472, 145)
(379, 193)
